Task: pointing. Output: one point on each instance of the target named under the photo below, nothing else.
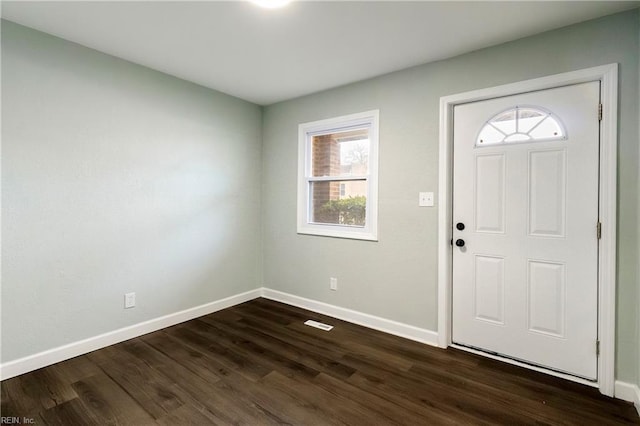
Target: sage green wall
(117, 178)
(396, 278)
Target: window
(338, 177)
(521, 124)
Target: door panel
(489, 288)
(525, 282)
(547, 193)
(546, 306)
(489, 193)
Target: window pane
(489, 136)
(527, 118)
(517, 137)
(506, 122)
(520, 125)
(548, 129)
(341, 153)
(339, 202)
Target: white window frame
(306, 131)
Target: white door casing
(525, 283)
(607, 75)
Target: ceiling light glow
(271, 4)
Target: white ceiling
(265, 56)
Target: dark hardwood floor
(257, 363)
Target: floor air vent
(319, 325)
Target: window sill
(337, 232)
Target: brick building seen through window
(340, 155)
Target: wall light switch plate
(333, 284)
(129, 300)
(425, 199)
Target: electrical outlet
(333, 283)
(129, 300)
(425, 199)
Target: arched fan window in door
(521, 124)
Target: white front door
(525, 206)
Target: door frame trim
(608, 76)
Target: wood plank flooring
(258, 364)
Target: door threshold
(526, 365)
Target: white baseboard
(381, 324)
(628, 392)
(625, 391)
(71, 350)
